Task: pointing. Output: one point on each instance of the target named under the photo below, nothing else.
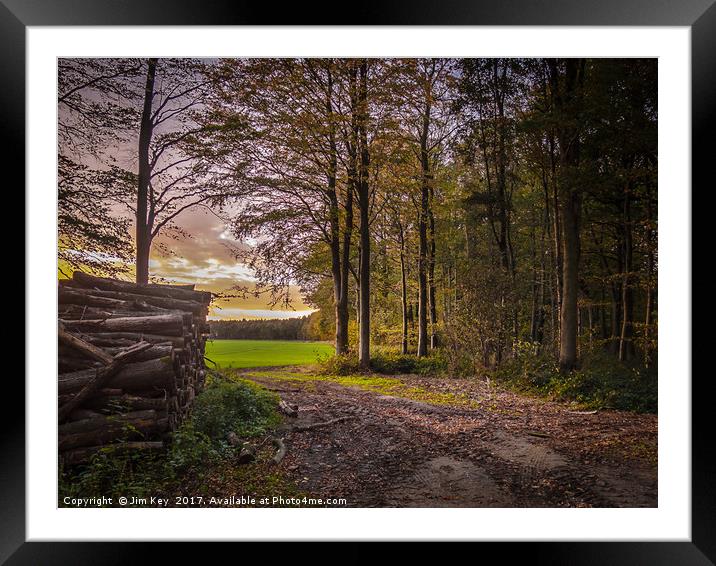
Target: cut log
(109, 342)
(137, 376)
(68, 365)
(127, 338)
(150, 395)
(156, 351)
(101, 378)
(107, 422)
(62, 399)
(91, 298)
(89, 281)
(170, 324)
(85, 348)
(78, 312)
(127, 301)
(81, 414)
(127, 402)
(100, 430)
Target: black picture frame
(699, 15)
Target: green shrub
(391, 363)
(190, 450)
(112, 472)
(238, 406)
(385, 362)
(225, 405)
(601, 381)
(341, 364)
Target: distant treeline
(302, 328)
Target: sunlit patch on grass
(381, 384)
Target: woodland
(477, 206)
(461, 222)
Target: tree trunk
(423, 231)
(364, 206)
(570, 287)
(403, 292)
(431, 272)
(557, 241)
(626, 344)
(143, 231)
(567, 89)
(649, 284)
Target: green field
(265, 353)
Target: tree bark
(431, 271)
(81, 279)
(403, 291)
(101, 430)
(83, 347)
(143, 231)
(364, 206)
(651, 244)
(101, 378)
(127, 301)
(570, 287)
(626, 344)
(423, 339)
(169, 324)
(567, 90)
(157, 373)
(124, 339)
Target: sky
(204, 257)
(205, 260)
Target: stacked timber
(131, 361)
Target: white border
(670, 521)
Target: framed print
(424, 275)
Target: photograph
(357, 282)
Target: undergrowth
(600, 382)
(198, 449)
(384, 362)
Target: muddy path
(493, 449)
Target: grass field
(265, 353)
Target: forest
(476, 239)
(482, 207)
(301, 328)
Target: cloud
(206, 260)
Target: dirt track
(505, 450)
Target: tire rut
(397, 452)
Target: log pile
(131, 361)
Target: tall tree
(175, 165)
(421, 88)
(364, 208)
(567, 81)
(303, 157)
